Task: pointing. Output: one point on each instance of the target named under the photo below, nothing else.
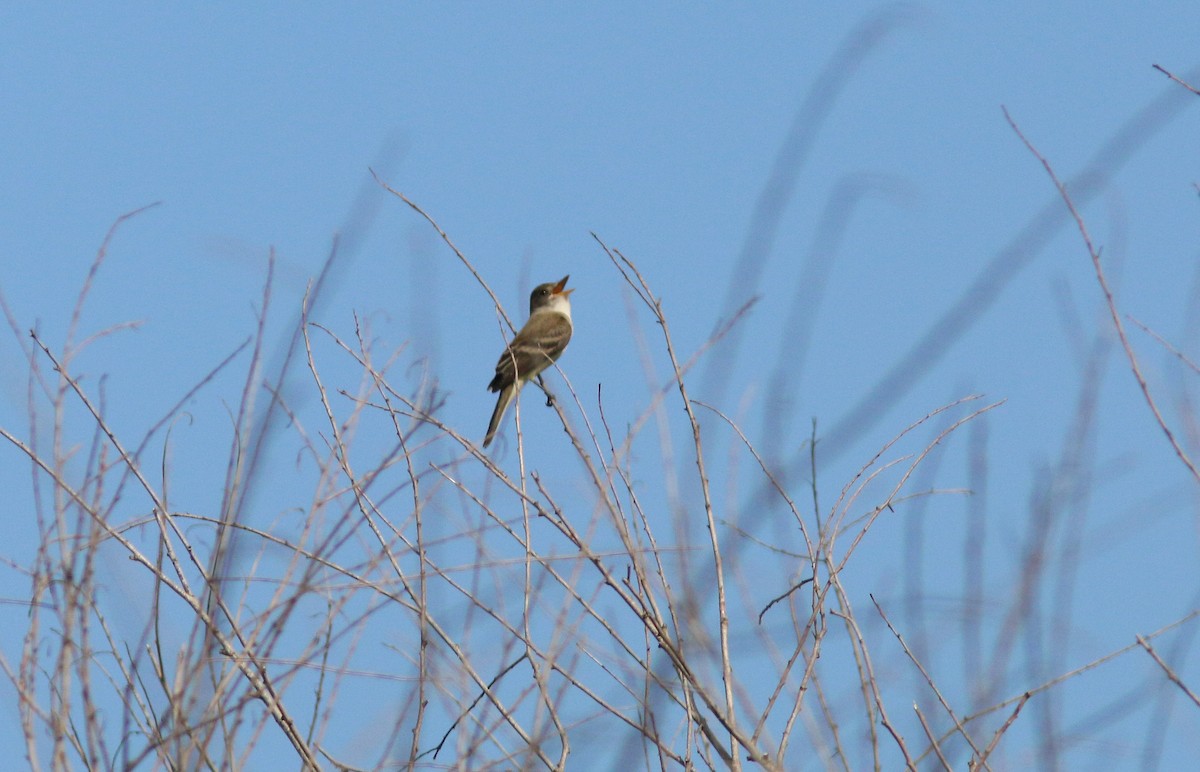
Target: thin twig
(991, 746)
(929, 680)
(1108, 299)
(1177, 79)
(1172, 676)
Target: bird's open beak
(558, 288)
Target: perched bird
(539, 343)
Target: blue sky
(522, 129)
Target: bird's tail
(502, 402)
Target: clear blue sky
(524, 128)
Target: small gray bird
(539, 343)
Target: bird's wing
(540, 342)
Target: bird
(539, 344)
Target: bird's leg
(549, 397)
